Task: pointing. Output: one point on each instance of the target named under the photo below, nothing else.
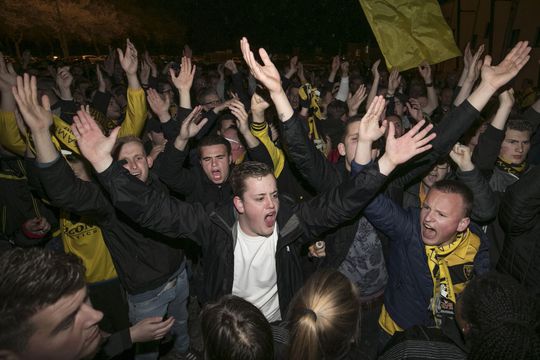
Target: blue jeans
(169, 299)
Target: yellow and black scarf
(513, 169)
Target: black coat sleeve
(485, 202)
(311, 163)
(155, 209)
(520, 206)
(332, 208)
(487, 150)
(172, 171)
(66, 191)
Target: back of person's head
(30, 280)
(456, 187)
(245, 170)
(233, 328)
(324, 317)
(502, 319)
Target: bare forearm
(499, 120)
(45, 150)
(464, 92)
(283, 107)
(373, 91)
(133, 81)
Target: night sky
(279, 25)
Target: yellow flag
(410, 31)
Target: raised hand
(393, 81)
(94, 145)
(37, 117)
(129, 60)
(191, 126)
(467, 56)
(187, 52)
(506, 98)
(475, 64)
(184, 80)
(354, 101)
(150, 329)
(159, 105)
(336, 64)
(231, 65)
(425, 71)
(239, 111)
(258, 105)
(144, 72)
(267, 73)
(497, 76)
(369, 129)
(400, 150)
(415, 109)
(462, 155)
(293, 67)
(151, 63)
(8, 76)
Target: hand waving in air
(94, 145)
(266, 73)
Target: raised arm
(375, 83)
(351, 196)
(134, 121)
(485, 202)
(184, 80)
(433, 101)
(61, 187)
(151, 208)
(472, 70)
(489, 143)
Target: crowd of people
(341, 213)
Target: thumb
(487, 60)
(114, 133)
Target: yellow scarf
(444, 294)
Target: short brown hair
(120, 142)
(247, 169)
(31, 280)
(459, 188)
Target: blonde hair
(324, 317)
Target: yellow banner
(64, 135)
(410, 31)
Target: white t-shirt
(255, 278)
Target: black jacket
(216, 231)
(143, 259)
(193, 184)
(519, 216)
(322, 175)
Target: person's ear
(463, 224)
(230, 159)
(341, 149)
(238, 204)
